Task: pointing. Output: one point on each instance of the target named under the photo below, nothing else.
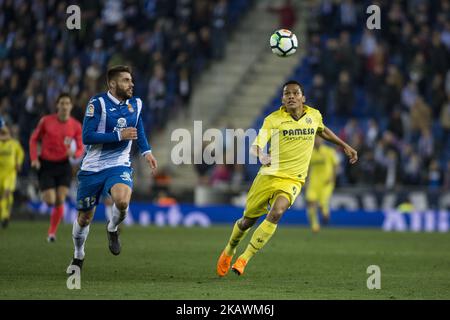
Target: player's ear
(303, 99)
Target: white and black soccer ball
(283, 42)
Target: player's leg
(312, 194)
(121, 195)
(256, 206)
(107, 201)
(80, 232)
(58, 210)
(3, 199)
(264, 231)
(11, 187)
(324, 203)
(88, 192)
(5, 211)
(48, 195)
(312, 208)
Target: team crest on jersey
(90, 110)
(121, 123)
(308, 120)
(130, 108)
(126, 176)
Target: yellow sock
(4, 208)
(9, 204)
(260, 237)
(312, 216)
(326, 212)
(236, 236)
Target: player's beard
(123, 94)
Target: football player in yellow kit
(321, 181)
(291, 131)
(11, 159)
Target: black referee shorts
(53, 174)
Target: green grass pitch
(179, 263)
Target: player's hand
(70, 153)
(351, 154)
(151, 162)
(36, 164)
(265, 159)
(128, 133)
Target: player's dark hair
(63, 95)
(115, 71)
(295, 82)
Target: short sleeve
(264, 134)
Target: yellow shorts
(265, 189)
(8, 183)
(320, 194)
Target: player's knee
(122, 206)
(276, 213)
(84, 220)
(246, 223)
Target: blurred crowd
(168, 43)
(386, 91)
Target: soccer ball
(283, 43)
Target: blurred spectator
(344, 96)
(286, 13)
(372, 133)
(221, 176)
(445, 120)
(218, 29)
(395, 124)
(163, 199)
(157, 98)
(420, 116)
(434, 178)
(319, 94)
(446, 177)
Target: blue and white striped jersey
(105, 117)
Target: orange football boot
(223, 264)
(239, 266)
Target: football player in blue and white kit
(111, 122)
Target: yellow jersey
(291, 142)
(11, 155)
(324, 160)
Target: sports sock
(79, 235)
(9, 205)
(3, 208)
(259, 238)
(312, 216)
(116, 219)
(108, 213)
(236, 236)
(55, 219)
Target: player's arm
(79, 141)
(144, 146)
(34, 140)
(329, 135)
(90, 125)
(263, 137)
